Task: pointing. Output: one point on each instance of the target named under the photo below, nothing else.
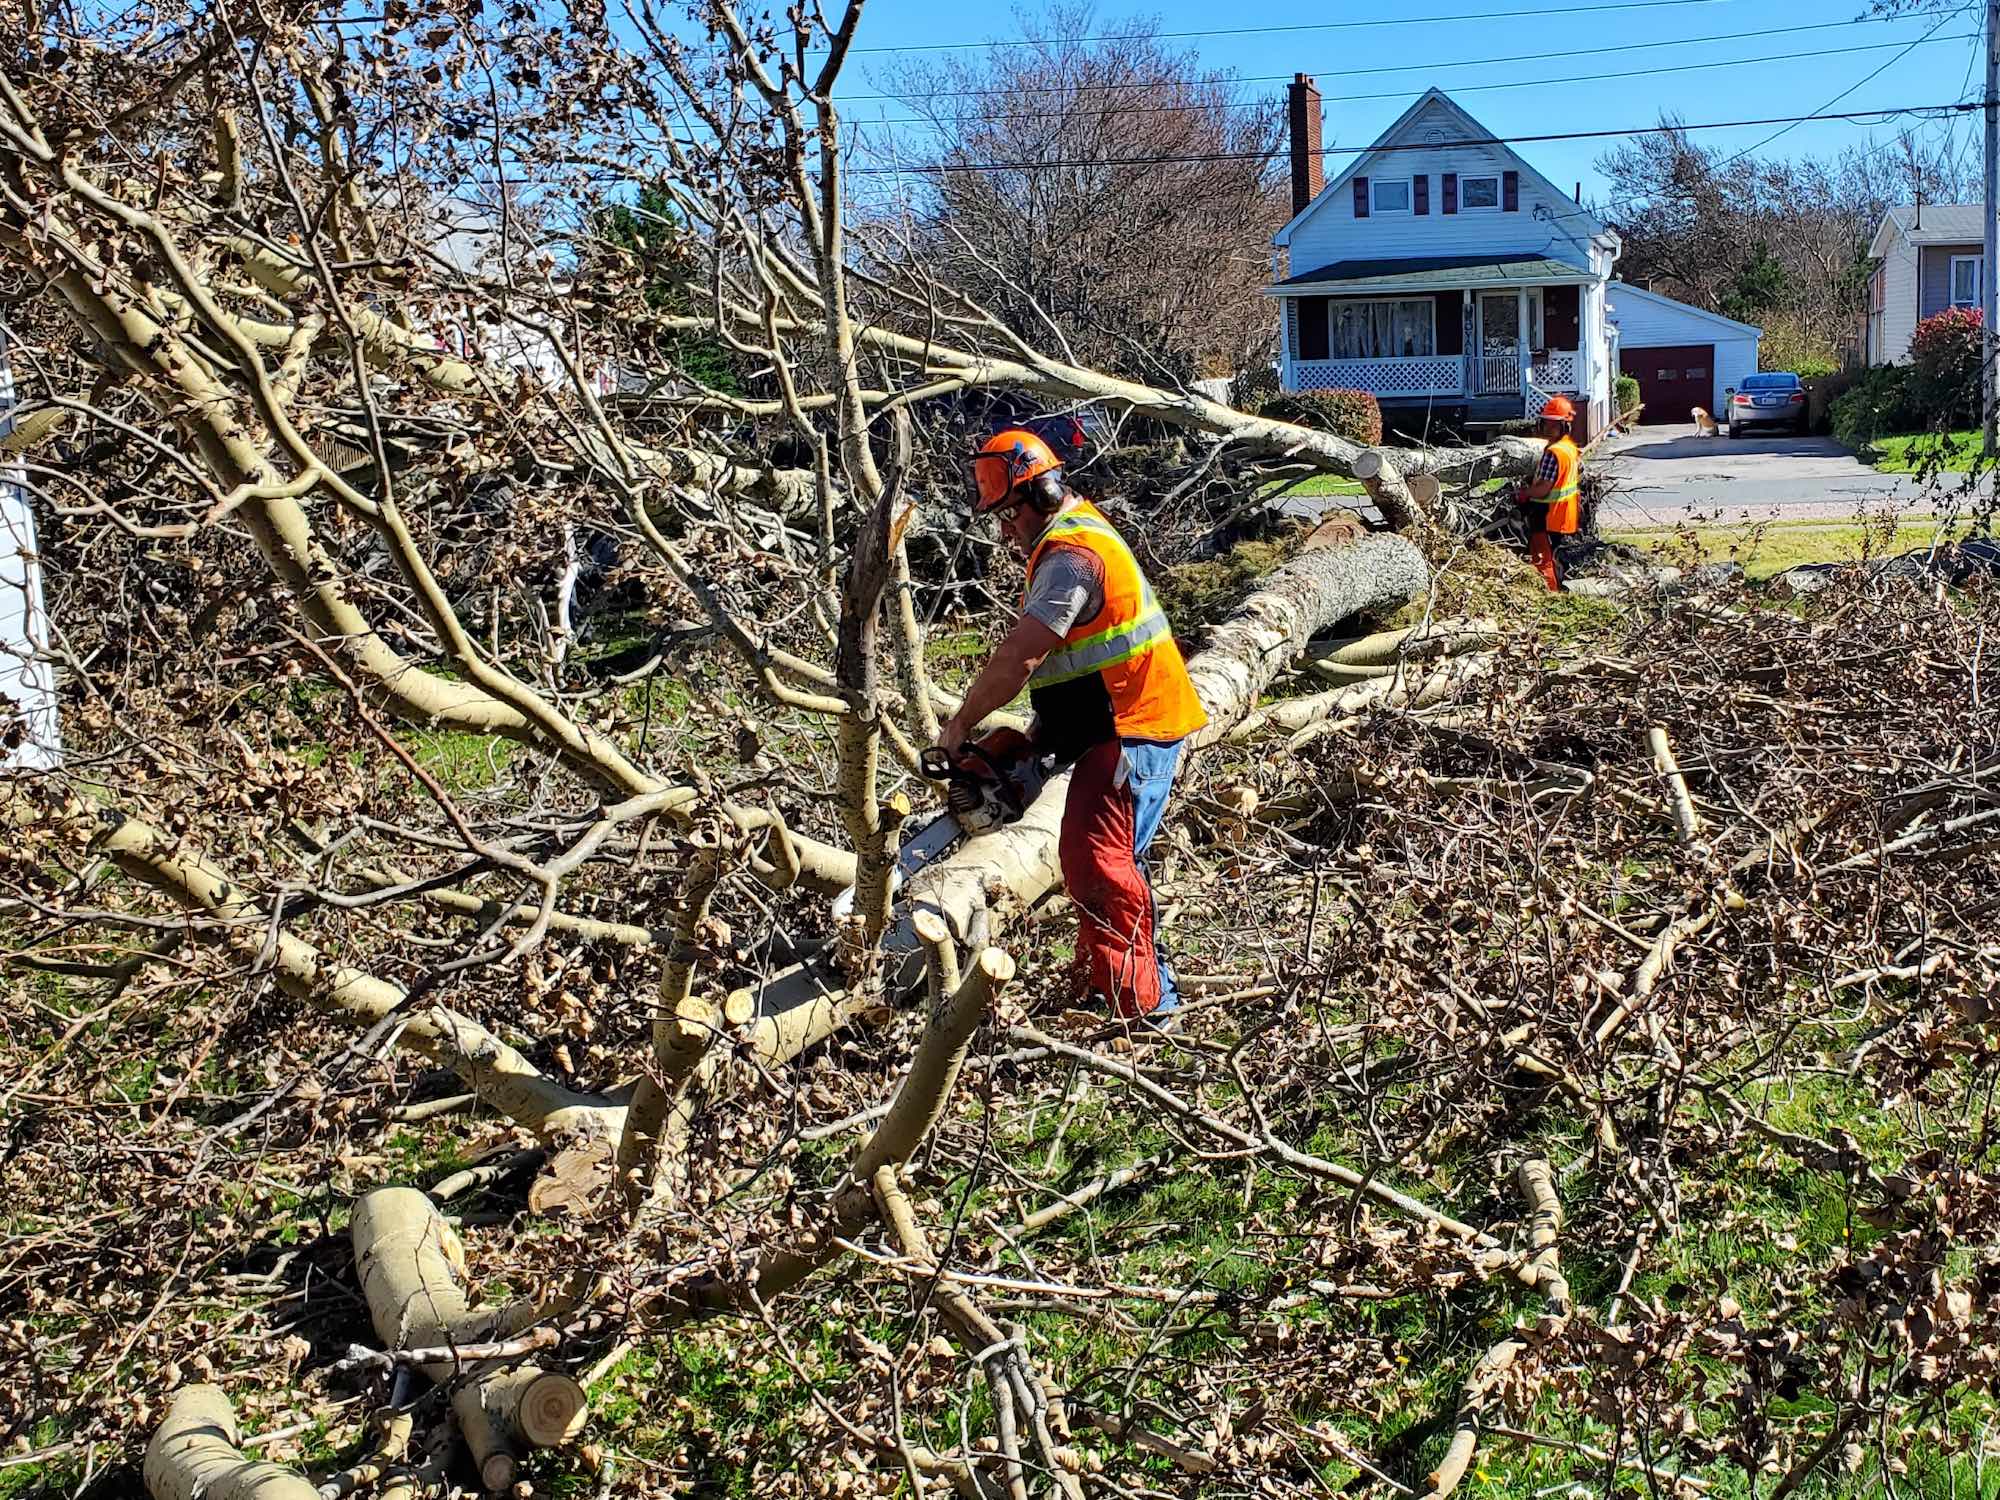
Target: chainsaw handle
(939, 764)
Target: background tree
(1138, 229)
(1782, 243)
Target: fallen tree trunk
(194, 1456)
(410, 1267)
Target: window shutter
(1451, 192)
(1510, 192)
(1361, 197)
(1420, 194)
(1312, 328)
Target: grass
(1926, 452)
(1769, 548)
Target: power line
(1949, 15)
(1488, 88)
(1490, 15)
(1468, 62)
(1878, 115)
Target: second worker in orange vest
(1551, 499)
(1112, 699)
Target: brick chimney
(1308, 170)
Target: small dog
(1704, 424)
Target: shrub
(1814, 367)
(1876, 405)
(1354, 415)
(1627, 387)
(1944, 366)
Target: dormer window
(1390, 195)
(1479, 192)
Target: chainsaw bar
(936, 838)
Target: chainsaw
(988, 784)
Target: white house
(1443, 273)
(27, 679)
(1682, 356)
(1927, 258)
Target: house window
(1965, 280)
(1666, 374)
(1384, 330)
(1479, 192)
(1697, 373)
(1389, 195)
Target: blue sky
(1804, 70)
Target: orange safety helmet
(1006, 460)
(1559, 409)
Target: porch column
(1527, 354)
(1286, 336)
(1468, 333)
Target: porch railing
(1414, 375)
(1499, 374)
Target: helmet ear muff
(1045, 491)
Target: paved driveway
(1667, 474)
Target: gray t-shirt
(1068, 587)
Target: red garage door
(1673, 380)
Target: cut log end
(930, 926)
(552, 1410)
(497, 1471)
(740, 1007)
(996, 965)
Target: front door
(1499, 343)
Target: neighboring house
(1447, 278)
(1928, 258)
(1682, 356)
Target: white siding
(1899, 299)
(1734, 359)
(1332, 233)
(26, 679)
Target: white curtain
(1383, 330)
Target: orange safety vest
(1128, 644)
(1561, 499)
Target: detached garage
(1681, 356)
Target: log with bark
(411, 1269)
(194, 1455)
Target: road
(1666, 475)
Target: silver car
(1775, 399)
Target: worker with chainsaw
(1550, 501)
(1112, 700)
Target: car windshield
(1769, 382)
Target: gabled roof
(1583, 224)
(1620, 291)
(1418, 273)
(1930, 224)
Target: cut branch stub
(194, 1456)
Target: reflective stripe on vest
(1105, 649)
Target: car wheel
(1735, 430)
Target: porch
(1496, 337)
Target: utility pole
(1989, 264)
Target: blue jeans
(1148, 769)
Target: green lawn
(1323, 484)
(1926, 452)
(1771, 547)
